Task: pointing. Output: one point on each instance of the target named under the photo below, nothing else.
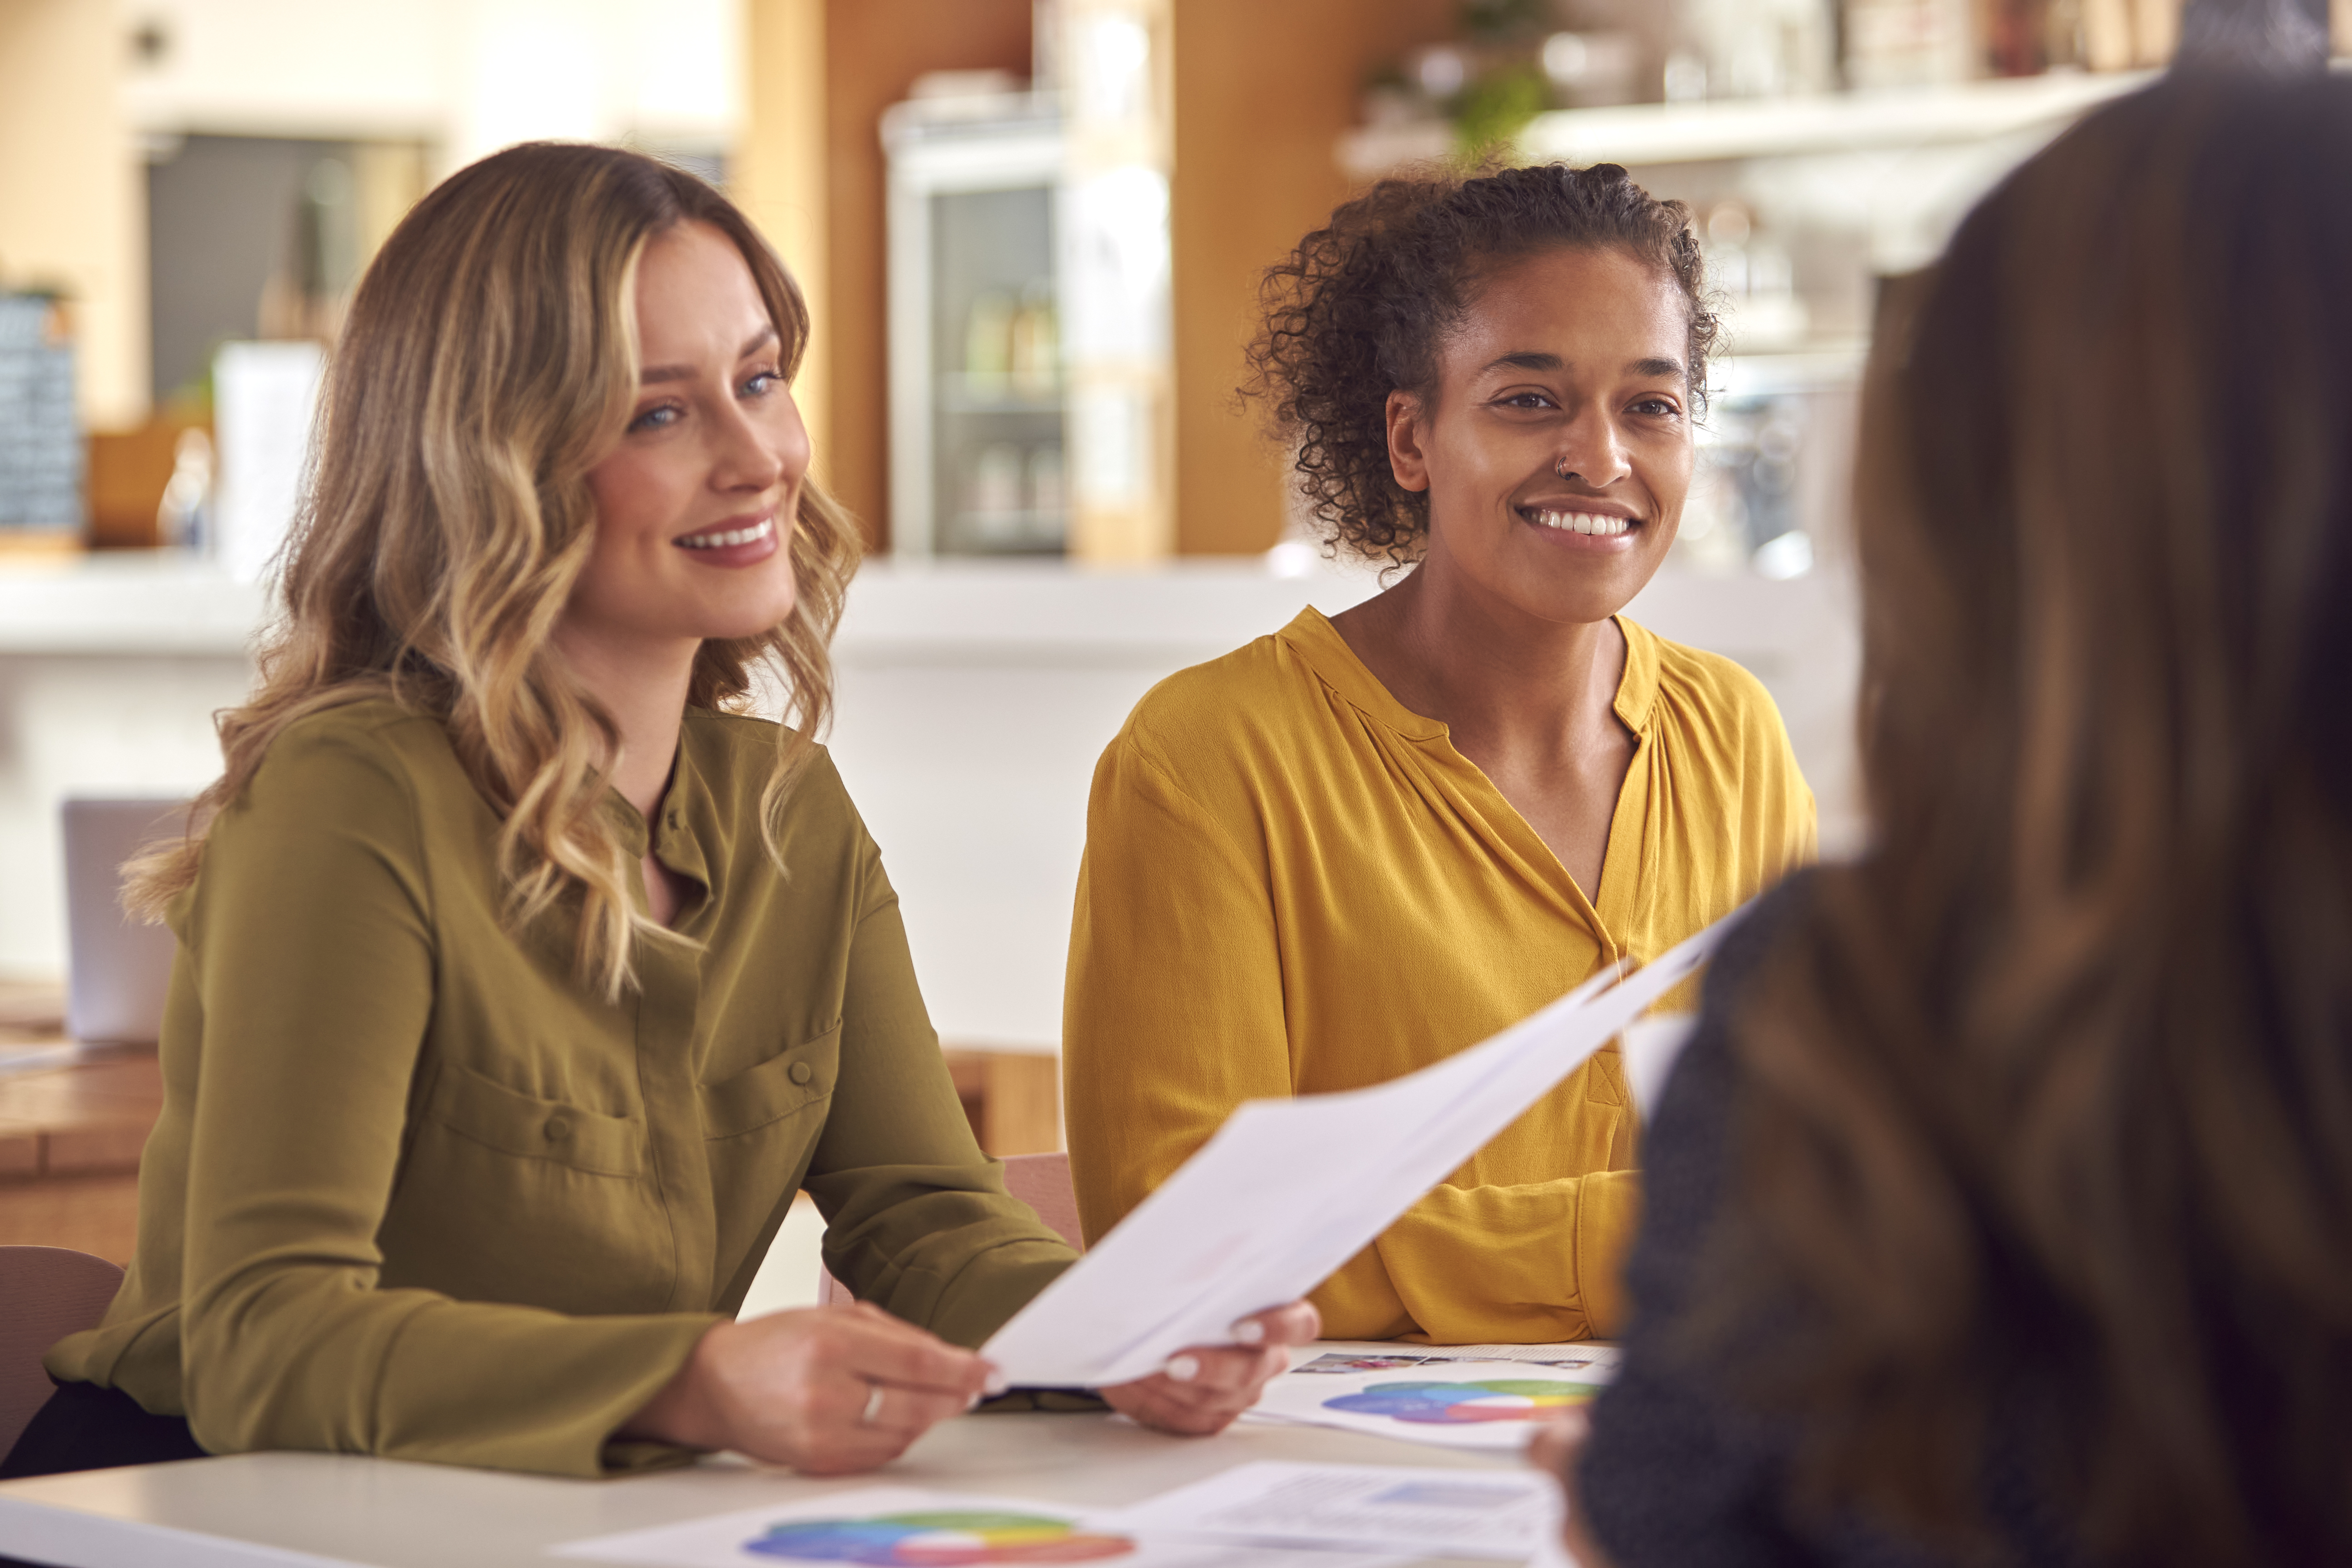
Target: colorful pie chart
(1432, 1403)
(938, 1540)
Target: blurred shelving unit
(1730, 129)
(977, 407)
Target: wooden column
(1117, 337)
(73, 209)
(1263, 91)
(778, 178)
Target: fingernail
(1250, 1332)
(1183, 1369)
(973, 1402)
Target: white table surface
(285, 1509)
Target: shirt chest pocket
(782, 1086)
(489, 1113)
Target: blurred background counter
(975, 699)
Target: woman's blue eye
(762, 384)
(659, 418)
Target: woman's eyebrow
(1534, 359)
(1527, 359)
(751, 345)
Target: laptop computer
(118, 969)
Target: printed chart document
(1450, 1403)
(1505, 1514)
(901, 1527)
(1290, 1189)
(1374, 1355)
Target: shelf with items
(1027, 532)
(977, 398)
(1881, 120)
(986, 392)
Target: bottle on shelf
(1762, 312)
(1035, 357)
(1909, 43)
(988, 344)
(2124, 34)
(1048, 485)
(996, 480)
(1754, 48)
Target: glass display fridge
(978, 414)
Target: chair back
(1041, 1180)
(46, 1293)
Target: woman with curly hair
(524, 976)
(1361, 843)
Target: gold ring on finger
(873, 1405)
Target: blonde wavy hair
(489, 360)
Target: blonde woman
(523, 979)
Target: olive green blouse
(413, 1192)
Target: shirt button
(672, 818)
(799, 1072)
(558, 1129)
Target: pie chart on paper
(1433, 1404)
(937, 1540)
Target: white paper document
(1503, 1514)
(901, 1527)
(1651, 1047)
(1490, 1404)
(1290, 1189)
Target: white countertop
(161, 602)
(975, 700)
(331, 1510)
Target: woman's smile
(1582, 529)
(737, 542)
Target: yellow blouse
(413, 1192)
(1293, 885)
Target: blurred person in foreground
(2000, 1209)
(525, 974)
(1363, 843)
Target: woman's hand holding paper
(1202, 1390)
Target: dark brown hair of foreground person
(2059, 1078)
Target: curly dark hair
(1357, 310)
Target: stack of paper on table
(1503, 1514)
(1290, 1189)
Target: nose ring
(1560, 470)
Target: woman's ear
(1405, 458)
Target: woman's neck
(644, 688)
(1504, 683)
(1531, 702)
